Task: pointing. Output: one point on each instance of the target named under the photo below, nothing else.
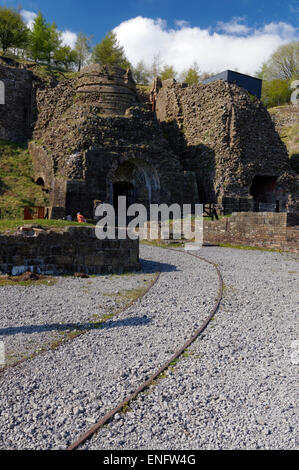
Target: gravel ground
(38, 316)
(48, 401)
(238, 387)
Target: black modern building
(251, 84)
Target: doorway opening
(126, 189)
(263, 190)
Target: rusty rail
(108, 417)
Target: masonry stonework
(68, 250)
(264, 230)
(229, 140)
(17, 110)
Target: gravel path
(47, 402)
(38, 316)
(238, 387)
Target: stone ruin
(95, 138)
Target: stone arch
(2, 92)
(136, 179)
(41, 182)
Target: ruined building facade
(94, 138)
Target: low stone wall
(264, 229)
(68, 250)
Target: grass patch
(246, 247)
(162, 244)
(11, 225)
(5, 281)
(287, 119)
(126, 409)
(17, 186)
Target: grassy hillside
(286, 120)
(48, 73)
(17, 187)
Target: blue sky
(216, 34)
(97, 17)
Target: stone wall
(17, 113)
(266, 230)
(68, 250)
(112, 88)
(227, 138)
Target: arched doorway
(40, 182)
(137, 180)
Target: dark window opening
(263, 190)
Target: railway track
(118, 408)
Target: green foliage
(82, 50)
(65, 56)
(141, 73)
(11, 225)
(44, 40)
(17, 188)
(109, 52)
(283, 63)
(13, 32)
(192, 75)
(287, 125)
(168, 72)
(275, 92)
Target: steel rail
(108, 417)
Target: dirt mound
(28, 276)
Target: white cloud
(232, 45)
(233, 27)
(68, 37)
(28, 17)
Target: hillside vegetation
(17, 186)
(286, 119)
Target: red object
(31, 213)
(81, 219)
(27, 214)
(40, 212)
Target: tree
(156, 67)
(283, 63)
(38, 39)
(82, 49)
(65, 56)
(109, 52)
(141, 73)
(13, 32)
(275, 92)
(168, 72)
(54, 42)
(44, 40)
(192, 75)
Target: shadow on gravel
(154, 267)
(30, 329)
